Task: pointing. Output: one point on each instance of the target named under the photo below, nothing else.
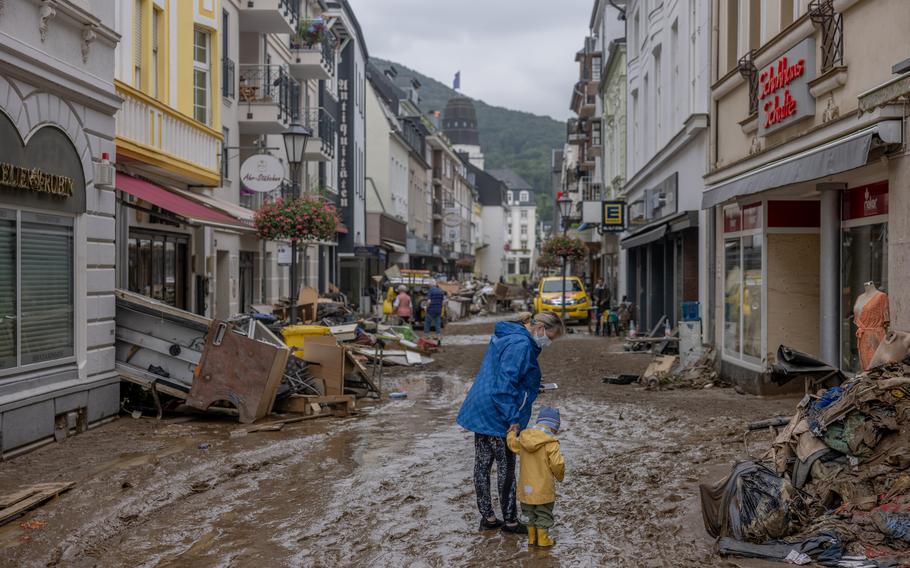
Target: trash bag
(792, 364)
(753, 504)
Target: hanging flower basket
(568, 247)
(547, 261)
(302, 219)
(310, 33)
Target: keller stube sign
(783, 88)
(262, 173)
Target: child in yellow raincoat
(540, 462)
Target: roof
(490, 191)
(511, 179)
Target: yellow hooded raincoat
(540, 461)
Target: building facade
(807, 178)
(521, 223)
(493, 238)
(57, 225)
(667, 124)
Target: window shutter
(137, 42)
(7, 289)
(46, 315)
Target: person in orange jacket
(540, 465)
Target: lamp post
(565, 208)
(295, 139)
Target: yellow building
(168, 73)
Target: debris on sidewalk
(14, 504)
(839, 473)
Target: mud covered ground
(391, 487)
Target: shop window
(743, 283)
(864, 258)
(525, 265)
(36, 288)
(158, 267)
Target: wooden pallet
(14, 504)
(343, 405)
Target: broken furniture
(191, 357)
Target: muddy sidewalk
(392, 487)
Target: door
(247, 279)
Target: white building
(57, 220)
(668, 81)
(522, 226)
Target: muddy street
(392, 487)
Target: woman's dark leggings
(486, 450)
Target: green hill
(509, 138)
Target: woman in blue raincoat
(499, 401)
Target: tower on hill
(459, 123)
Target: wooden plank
(46, 492)
(363, 372)
(301, 403)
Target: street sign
(614, 216)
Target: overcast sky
(513, 53)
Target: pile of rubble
(256, 364)
(666, 372)
(833, 488)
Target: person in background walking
(626, 314)
(499, 402)
(402, 305)
(612, 325)
(540, 462)
(600, 295)
(435, 298)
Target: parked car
(549, 298)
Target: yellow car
(549, 298)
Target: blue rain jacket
(507, 384)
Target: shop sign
(451, 218)
(35, 180)
(865, 201)
(262, 173)
(46, 174)
(614, 216)
(783, 88)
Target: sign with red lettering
(865, 201)
(783, 88)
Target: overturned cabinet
(200, 360)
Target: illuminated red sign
(783, 88)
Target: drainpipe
(829, 273)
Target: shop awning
(341, 228)
(844, 154)
(176, 204)
(241, 214)
(395, 247)
(645, 237)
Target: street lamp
(295, 139)
(565, 208)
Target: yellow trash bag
(387, 303)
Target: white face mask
(543, 340)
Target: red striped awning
(176, 204)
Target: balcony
(321, 147)
(269, 98)
(576, 131)
(584, 99)
(437, 176)
(437, 210)
(269, 16)
(161, 140)
(316, 61)
(383, 229)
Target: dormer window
(524, 196)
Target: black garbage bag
(753, 504)
(792, 364)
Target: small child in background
(540, 465)
(613, 323)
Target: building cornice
(25, 62)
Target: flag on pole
(456, 84)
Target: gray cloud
(513, 53)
